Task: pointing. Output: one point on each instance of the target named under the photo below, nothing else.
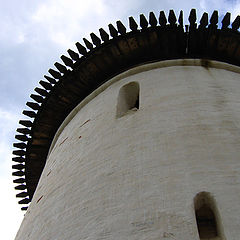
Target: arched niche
(128, 98)
(207, 217)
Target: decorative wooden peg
(88, 44)
(46, 85)
(24, 131)
(23, 138)
(121, 28)
(18, 159)
(162, 19)
(32, 105)
(30, 114)
(204, 21)
(61, 68)
(41, 91)
(226, 20)
(180, 19)
(103, 34)
(20, 145)
(67, 61)
(74, 56)
(51, 80)
(152, 19)
(19, 180)
(95, 39)
(19, 153)
(132, 24)
(24, 201)
(113, 31)
(172, 18)
(26, 123)
(37, 98)
(18, 166)
(55, 73)
(192, 19)
(143, 21)
(19, 174)
(214, 20)
(22, 186)
(81, 49)
(236, 23)
(22, 195)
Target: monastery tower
(136, 136)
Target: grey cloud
(29, 46)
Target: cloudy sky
(33, 35)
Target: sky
(33, 36)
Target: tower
(138, 138)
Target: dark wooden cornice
(99, 60)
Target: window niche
(207, 217)
(128, 99)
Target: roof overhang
(107, 56)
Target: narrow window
(128, 98)
(208, 222)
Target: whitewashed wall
(135, 177)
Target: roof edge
(100, 60)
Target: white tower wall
(135, 177)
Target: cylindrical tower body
(130, 161)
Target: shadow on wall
(128, 99)
(207, 217)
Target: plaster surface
(135, 177)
